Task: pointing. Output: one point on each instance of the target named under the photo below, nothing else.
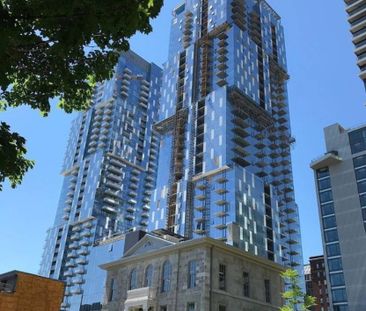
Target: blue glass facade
(109, 171)
(225, 153)
(333, 254)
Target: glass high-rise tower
(110, 171)
(224, 168)
(356, 10)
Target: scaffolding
(239, 14)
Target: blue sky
(324, 89)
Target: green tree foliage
(295, 299)
(52, 48)
(13, 165)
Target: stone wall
(208, 259)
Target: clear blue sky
(324, 89)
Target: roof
(189, 244)
(14, 273)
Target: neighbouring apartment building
(20, 291)
(225, 156)
(163, 272)
(109, 175)
(356, 10)
(316, 283)
(307, 277)
(340, 177)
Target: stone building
(165, 273)
(21, 291)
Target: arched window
(148, 276)
(166, 277)
(133, 279)
(192, 266)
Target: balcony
(144, 222)
(221, 226)
(139, 298)
(75, 236)
(129, 217)
(109, 209)
(221, 214)
(81, 261)
(65, 305)
(70, 264)
(200, 208)
(200, 197)
(85, 242)
(221, 191)
(80, 270)
(114, 170)
(132, 194)
(83, 251)
(114, 194)
(86, 233)
(78, 280)
(199, 231)
(72, 254)
(74, 245)
(329, 159)
(113, 185)
(110, 201)
(76, 291)
(221, 202)
(68, 273)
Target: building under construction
(224, 168)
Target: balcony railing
(139, 297)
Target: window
(246, 284)
(222, 277)
(340, 308)
(111, 290)
(327, 209)
(364, 214)
(361, 173)
(331, 236)
(133, 279)
(191, 306)
(222, 308)
(333, 250)
(166, 277)
(337, 279)
(148, 276)
(326, 196)
(363, 200)
(359, 161)
(163, 308)
(267, 290)
(339, 295)
(361, 186)
(324, 172)
(335, 264)
(358, 140)
(329, 222)
(192, 266)
(324, 184)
